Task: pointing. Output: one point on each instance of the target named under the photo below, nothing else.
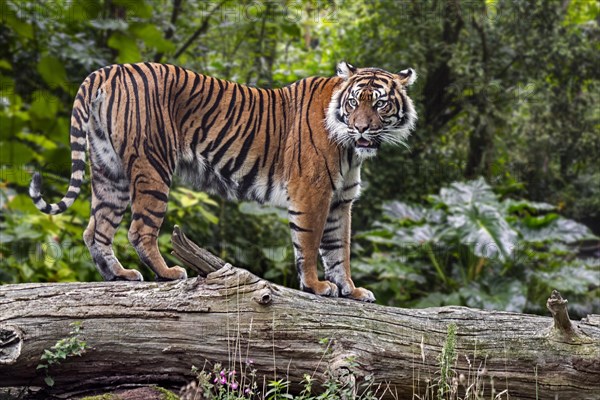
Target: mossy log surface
(153, 332)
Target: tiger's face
(371, 108)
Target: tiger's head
(371, 107)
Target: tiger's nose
(361, 128)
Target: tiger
(300, 147)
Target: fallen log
(154, 332)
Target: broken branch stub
(558, 308)
(192, 255)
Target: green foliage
(477, 250)
(73, 345)
(39, 248)
(507, 90)
(278, 389)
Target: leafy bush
(468, 247)
(36, 247)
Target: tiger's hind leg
(110, 198)
(149, 204)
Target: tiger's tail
(78, 139)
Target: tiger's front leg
(307, 211)
(335, 251)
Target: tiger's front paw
(322, 288)
(122, 274)
(362, 294)
(172, 274)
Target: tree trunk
(154, 332)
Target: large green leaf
(12, 21)
(83, 10)
(576, 277)
(403, 211)
(126, 46)
(417, 235)
(39, 140)
(4, 64)
(561, 229)
(505, 294)
(540, 221)
(463, 194)
(477, 220)
(484, 229)
(513, 206)
(52, 71)
(383, 234)
(152, 37)
(44, 106)
(14, 155)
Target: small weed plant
(447, 360)
(73, 345)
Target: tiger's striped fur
(300, 147)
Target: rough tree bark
(153, 332)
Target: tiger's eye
(353, 102)
(381, 104)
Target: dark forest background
(495, 203)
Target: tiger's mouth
(362, 143)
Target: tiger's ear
(345, 70)
(407, 77)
